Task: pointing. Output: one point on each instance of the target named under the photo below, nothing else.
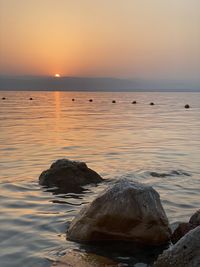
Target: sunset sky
(118, 38)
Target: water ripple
(159, 146)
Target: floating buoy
(30, 98)
(73, 99)
(134, 102)
(151, 104)
(113, 101)
(187, 106)
(90, 100)
(3, 98)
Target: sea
(158, 145)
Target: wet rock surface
(69, 176)
(125, 211)
(185, 253)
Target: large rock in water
(185, 253)
(69, 176)
(126, 211)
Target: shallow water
(158, 145)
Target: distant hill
(41, 83)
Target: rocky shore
(125, 211)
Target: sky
(147, 39)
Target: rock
(126, 211)
(195, 218)
(185, 227)
(180, 231)
(156, 174)
(69, 176)
(80, 259)
(151, 104)
(114, 101)
(185, 253)
(134, 102)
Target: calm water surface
(117, 140)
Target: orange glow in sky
(139, 39)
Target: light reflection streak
(57, 115)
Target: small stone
(195, 218)
(180, 231)
(183, 227)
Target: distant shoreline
(94, 84)
(104, 91)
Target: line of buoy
(187, 106)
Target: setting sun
(57, 75)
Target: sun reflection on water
(57, 102)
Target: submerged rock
(126, 211)
(168, 174)
(185, 253)
(69, 176)
(80, 259)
